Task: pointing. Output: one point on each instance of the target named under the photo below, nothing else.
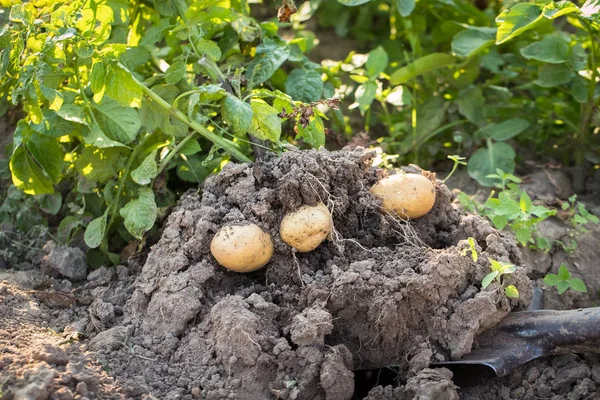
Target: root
(406, 231)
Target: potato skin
(306, 228)
(242, 248)
(406, 195)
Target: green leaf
(420, 66)
(54, 97)
(94, 232)
(405, 7)
(525, 202)
(511, 291)
(550, 75)
(98, 80)
(121, 86)
(485, 161)
(190, 147)
(140, 214)
(237, 114)
(524, 234)
(118, 123)
(470, 104)
(504, 130)
(489, 278)
(377, 62)
(551, 279)
(551, 49)
(265, 121)
(27, 175)
(579, 89)
(563, 272)
(146, 171)
(100, 164)
(269, 56)
(554, 9)
(208, 47)
(353, 3)
(516, 20)
(578, 285)
(365, 94)
(578, 58)
(94, 135)
(562, 286)
(175, 73)
(471, 41)
(499, 221)
(314, 133)
(304, 85)
(50, 203)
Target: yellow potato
(406, 195)
(242, 248)
(306, 228)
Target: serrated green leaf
(140, 214)
(94, 232)
(562, 286)
(175, 73)
(121, 87)
(511, 291)
(265, 124)
(304, 85)
(489, 278)
(13, 56)
(420, 66)
(118, 123)
(551, 49)
(550, 75)
(237, 114)
(377, 62)
(516, 20)
(551, 279)
(563, 272)
(471, 41)
(146, 171)
(100, 164)
(485, 161)
(314, 133)
(578, 285)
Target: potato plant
(451, 77)
(123, 100)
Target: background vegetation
(121, 105)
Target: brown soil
(382, 292)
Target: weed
(563, 281)
(499, 269)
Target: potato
(242, 248)
(306, 228)
(406, 195)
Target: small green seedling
(472, 249)
(498, 270)
(563, 281)
(458, 160)
(506, 180)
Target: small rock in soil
(39, 384)
(311, 326)
(69, 262)
(112, 338)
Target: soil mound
(381, 292)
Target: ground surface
(382, 292)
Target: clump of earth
(381, 292)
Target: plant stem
(586, 113)
(115, 204)
(223, 143)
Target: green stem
(172, 153)
(223, 143)
(115, 204)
